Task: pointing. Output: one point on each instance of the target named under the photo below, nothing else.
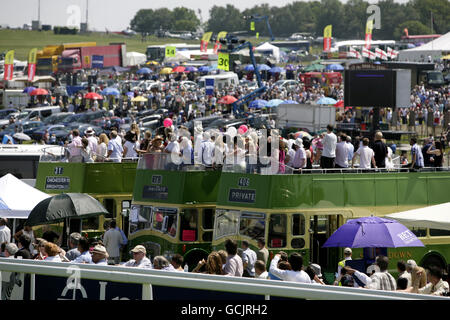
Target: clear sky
(115, 15)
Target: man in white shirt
(248, 259)
(75, 146)
(342, 152)
(92, 139)
(366, 156)
(140, 260)
(351, 148)
(296, 274)
(299, 160)
(207, 148)
(329, 149)
(5, 232)
(115, 150)
(113, 241)
(234, 266)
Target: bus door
(321, 228)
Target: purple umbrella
(373, 232)
(28, 90)
(191, 69)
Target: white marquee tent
(135, 58)
(436, 49)
(17, 198)
(267, 48)
(434, 217)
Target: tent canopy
(435, 49)
(135, 58)
(435, 217)
(17, 198)
(266, 47)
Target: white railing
(147, 278)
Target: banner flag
(9, 65)
(368, 39)
(204, 42)
(32, 64)
(218, 45)
(327, 38)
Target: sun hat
(100, 250)
(89, 131)
(139, 248)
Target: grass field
(22, 41)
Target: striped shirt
(382, 281)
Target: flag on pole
(354, 53)
(381, 54)
(204, 42)
(368, 39)
(218, 45)
(32, 64)
(391, 53)
(365, 52)
(372, 55)
(252, 25)
(9, 65)
(327, 38)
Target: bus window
(439, 232)
(110, 206)
(226, 223)
(277, 231)
(165, 220)
(208, 224)
(298, 224)
(321, 224)
(92, 223)
(252, 224)
(140, 218)
(419, 232)
(188, 225)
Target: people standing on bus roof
(113, 241)
(380, 150)
(115, 149)
(329, 149)
(139, 258)
(416, 155)
(342, 152)
(296, 274)
(248, 259)
(234, 266)
(366, 156)
(90, 136)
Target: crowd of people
(233, 261)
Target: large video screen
(370, 88)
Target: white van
(42, 112)
(221, 80)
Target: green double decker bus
(173, 208)
(298, 212)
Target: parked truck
(312, 117)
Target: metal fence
(173, 280)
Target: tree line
(348, 19)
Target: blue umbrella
(110, 92)
(290, 67)
(191, 69)
(144, 71)
(263, 67)
(334, 66)
(130, 94)
(249, 67)
(274, 103)
(373, 232)
(276, 70)
(257, 104)
(28, 90)
(290, 102)
(326, 100)
(204, 69)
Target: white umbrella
(21, 136)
